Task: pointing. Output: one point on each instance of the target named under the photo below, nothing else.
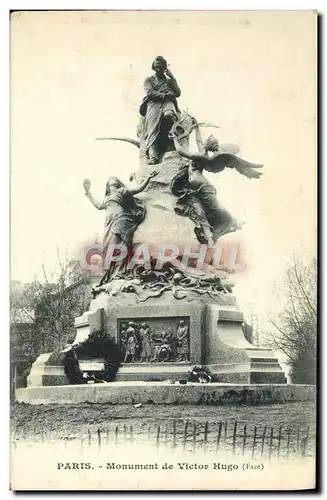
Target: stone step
(260, 353)
(272, 367)
(267, 377)
(264, 360)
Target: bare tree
(43, 311)
(294, 330)
(63, 295)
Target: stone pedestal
(216, 340)
(230, 356)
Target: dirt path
(75, 420)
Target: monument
(163, 298)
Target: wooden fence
(256, 441)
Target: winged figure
(197, 197)
(219, 160)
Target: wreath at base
(97, 345)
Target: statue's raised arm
(97, 204)
(196, 157)
(143, 184)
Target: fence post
(271, 441)
(263, 440)
(185, 434)
(166, 434)
(205, 436)
(304, 443)
(89, 436)
(174, 433)
(158, 435)
(234, 436)
(131, 434)
(244, 440)
(298, 440)
(116, 435)
(225, 431)
(194, 436)
(279, 440)
(107, 436)
(219, 435)
(99, 439)
(254, 440)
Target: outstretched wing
(220, 161)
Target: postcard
(163, 250)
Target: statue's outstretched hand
(87, 185)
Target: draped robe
(154, 107)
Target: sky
(76, 76)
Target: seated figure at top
(159, 109)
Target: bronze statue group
(142, 344)
(164, 128)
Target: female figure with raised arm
(124, 213)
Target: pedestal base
(163, 393)
(215, 339)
